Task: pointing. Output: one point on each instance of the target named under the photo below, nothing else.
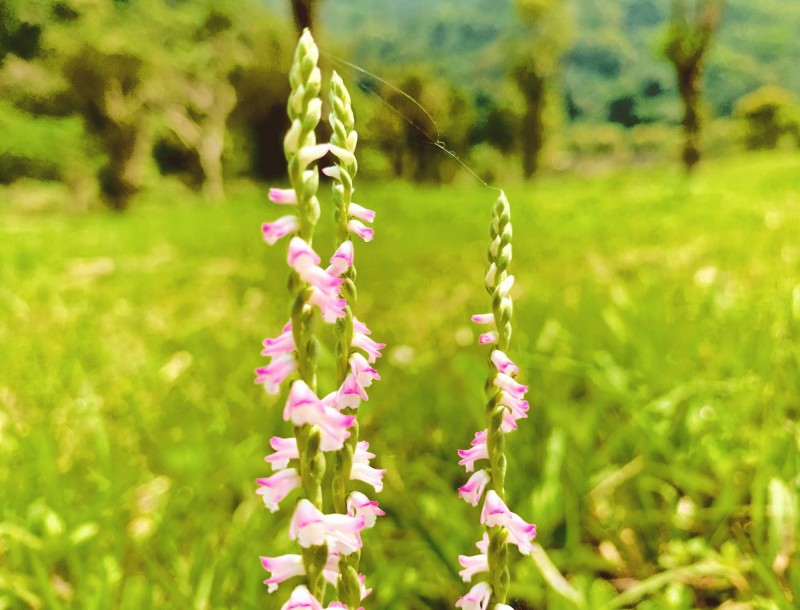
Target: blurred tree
(108, 53)
(18, 35)
(495, 124)
(768, 116)
(200, 96)
(545, 35)
(689, 35)
(305, 14)
(415, 116)
(111, 97)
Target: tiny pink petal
(509, 423)
(301, 599)
(283, 196)
(283, 226)
(472, 564)
(483, 544)
(369, 475)
(489, 338)
(275, 488)
(334, 427)
(472, 490)
(285, 450)
(343, 533)
(361, 212)
(342, 259)
(510, 385)
(480, 438)
(359, 505)
(331, 569)
(360, 229)
(360, 327)
(307, 525)
(331, 307)
(319, 278)
(477, 598)
(496, 513)
(364, 373)
(301, 404)
(472, 455)
(282, 568)
(484, 318)
(362, 581)
(503, 363)
(282, 344)
(363, 342)
(300, 255)
(351, 393)
(275, 372)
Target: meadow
(656, 323)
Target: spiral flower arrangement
(505, 405)
(330, 542)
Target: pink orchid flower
(275, 488)
(304, 408)
(285, 450)
(503, 363)
(273, 231)
(342, 259)
(472, 564)
(362, 471)
(477, 598)
(489, 338)
(363, 342)
(282, 568)
(360, 229)
(478, 451)
(301, 599)
(483, 318)
(359, 505)
(510, 385)
(282, 344)
(283, 196)
(361, 212)
(496, 513)
(279, 368)
(473, 489)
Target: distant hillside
(613, 68)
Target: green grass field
(657, 324)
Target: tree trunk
(121, 177)
(533, 125)
(689, 87)
(209, 154)
(305, 13)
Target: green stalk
(303, 109)
(502, 308)
(343, 135)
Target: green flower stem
(343, 135)
(502, 308)
(342, 122)
(304, 110)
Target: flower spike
(505, 405)
(330, 542)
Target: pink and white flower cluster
(509, 394)
(340, 533)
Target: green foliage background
(656, 316)
(656, 324)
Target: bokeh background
(650, 152)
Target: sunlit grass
(657, 323)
